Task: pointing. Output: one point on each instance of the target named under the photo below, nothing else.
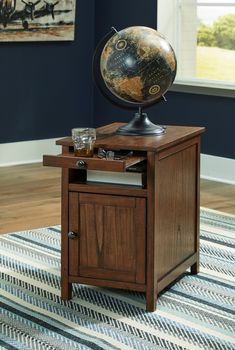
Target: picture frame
(37, 20)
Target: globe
(138, 65)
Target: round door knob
(80, 164)
(72, 235)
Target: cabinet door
(111, 237)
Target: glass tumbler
(83, 141)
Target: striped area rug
(196, 313)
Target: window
(202, 33)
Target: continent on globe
(138, 65)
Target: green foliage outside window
(221, 34)
(205, 36)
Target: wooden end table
(133, 237)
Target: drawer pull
(80, 164)
(72, 235)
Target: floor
(218, 196)
(30, 197)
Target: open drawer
(68, 160)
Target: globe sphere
(138, 65)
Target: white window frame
(168, 23)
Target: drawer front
(94, 163)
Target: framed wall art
(37, 20)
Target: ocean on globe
(138, 65)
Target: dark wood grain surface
(107, 138)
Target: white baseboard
(25, 152)
(212, 167)
(218, 169)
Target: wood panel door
(111, 237)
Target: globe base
(141, 125)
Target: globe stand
(141, 125)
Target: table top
(108, 139)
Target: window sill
(203, 88)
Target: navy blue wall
(215, 113)
(46, 88)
